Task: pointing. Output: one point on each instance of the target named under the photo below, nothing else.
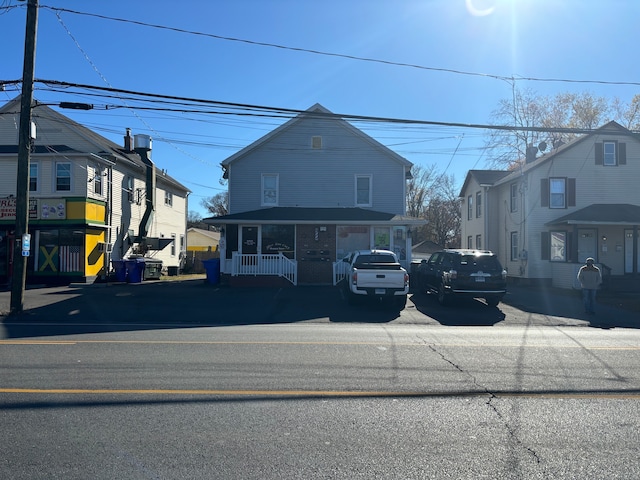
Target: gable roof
(612, 128)
(103, 146)
(207, 233)
(315, 111)
(483, 177)
(602, 213)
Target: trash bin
(212, 267)
(120, 269)
(172, 271)
(135, 270)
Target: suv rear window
(479, 262)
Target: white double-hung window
(363, 190)
(270, 189)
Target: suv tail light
(504, 275)
(451, 274)
(406, 279)
(354, 278)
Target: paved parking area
(196, 302)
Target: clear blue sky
(546, 39)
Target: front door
(249, 246)
(249, 240)
(587, 244)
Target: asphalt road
(171, 380)
(322, 400)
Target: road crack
(490, 403)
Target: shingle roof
(602, 213)
(314, 215)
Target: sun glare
(480, 8)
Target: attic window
(316, 143)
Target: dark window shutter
(571, 192)
(599, 147)
(622, 153)
(544, 192)
(545, 246)
(571, 248)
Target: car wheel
(401, 302)
(443, 298)
(492, 301)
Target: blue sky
(545, 39)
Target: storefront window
(278, 238)
(381, 238)
(352, 238)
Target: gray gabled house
(306, 194)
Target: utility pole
(24, 152)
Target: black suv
(463, 273)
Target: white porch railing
(269, 264)
(340, 270)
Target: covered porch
(608, 233)
(302, 245)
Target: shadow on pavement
(175, 304)
(555, 302)
(464, 312)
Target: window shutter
(622, 153)
(599, 147)
(544, 192)
(571, 192)
(545, 246)
(571, 248)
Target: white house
(91, 201)
(545, 218)
(306, 194)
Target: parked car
(376, 274)
(454, 273)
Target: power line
(338, 55)
(280, 112)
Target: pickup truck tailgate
(380, 279)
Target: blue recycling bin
(212, 267)
(120, 269)
(135, 270)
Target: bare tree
(526, 109)
(193, 218)
(218, 205)
(420, 189)
(444, 214)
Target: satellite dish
(542, 146)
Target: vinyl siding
(317, 177)
(594, 184)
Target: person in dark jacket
(590, 279)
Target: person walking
(590, 279)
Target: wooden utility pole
(24, 151)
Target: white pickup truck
(376, 274)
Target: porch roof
(302, 215)
(602, 214)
